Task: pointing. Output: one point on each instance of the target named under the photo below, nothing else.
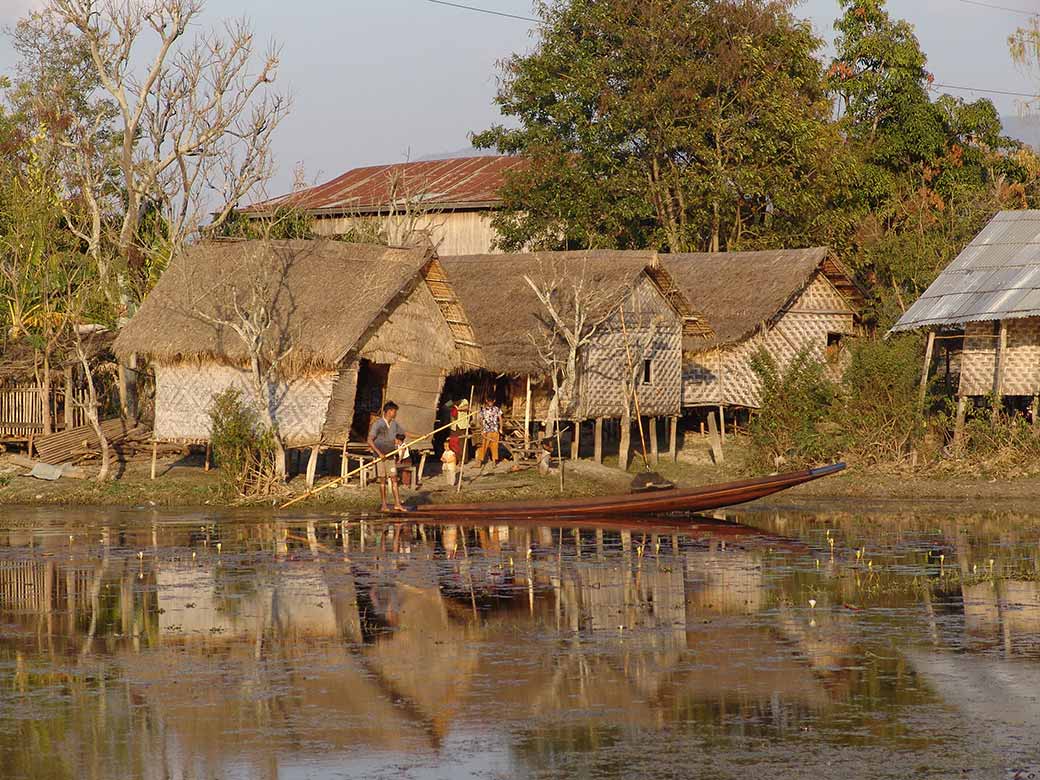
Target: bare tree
(408, 217)
(575, 308)
(181, 121)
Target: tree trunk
(45, 393)
(92, 412)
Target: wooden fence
(21, 411)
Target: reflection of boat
(676, 500)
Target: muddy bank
(184, 482)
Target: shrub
(792, 426)
(879, 415)
(242, 447)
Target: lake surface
(896, 644)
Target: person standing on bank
(382, 440)
(491, 429)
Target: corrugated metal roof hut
(506, 317)
(361, 322)
(782, 300)
(457, 197)
(991, 293)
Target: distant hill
(1023, 128)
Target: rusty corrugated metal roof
(996, 277)
(463, 182)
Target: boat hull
(700, 499)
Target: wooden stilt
(597, 441)
(653, 441)
(527, 414)
(312, 465)
(722, 424)
(576, 440)
(625, 444)
(702, 427)
(208, 450)
(998, 379)
(958, 426)
(714, 440)
(673, 440)
(422, 468)
(927, 366)
(70, 402)
(155, 455)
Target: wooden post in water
(927, 366)
(653, 441)
(597, 441)
(673, 439)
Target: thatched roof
(739, 291)
(325, 296)
(505, 313)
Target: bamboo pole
(364, 466)
(927, 365)
(527, 415)
(465, 442)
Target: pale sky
(377, 81)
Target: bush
(792, 427)
(879, 415)
(242, 447)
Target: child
(448, 463)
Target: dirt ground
(184, 482)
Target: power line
(486, 11)
(996, 7)
(987, 91)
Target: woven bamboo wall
(649, 321)
(724, 376)
(184, 394)
(1021, 363)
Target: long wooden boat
(698, 499)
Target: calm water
(148, 645)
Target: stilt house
(643, 319)
(989, 296)
(783, 301)
(356, 324)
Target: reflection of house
(358, 323)
(783, 301)
(451, 202)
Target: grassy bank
(186, 483)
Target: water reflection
(193, 647)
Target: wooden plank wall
(417, 390)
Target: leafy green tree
(702, 124)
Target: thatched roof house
(356, 323)
(784, 301)
(508, 319)
(991, 294)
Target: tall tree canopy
(702, 124)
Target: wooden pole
(312, 465)
(597, 441)
(527, 415)
(654, 456)
(155, 455)
(559, 453)
(998, 379)
(208, 451)
(722, 424)
(576, 440)
(922, 391)
(714, 440)
(465, 442)
(673, 440)
(958, 426)
(70, 404)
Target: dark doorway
(368, 402)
